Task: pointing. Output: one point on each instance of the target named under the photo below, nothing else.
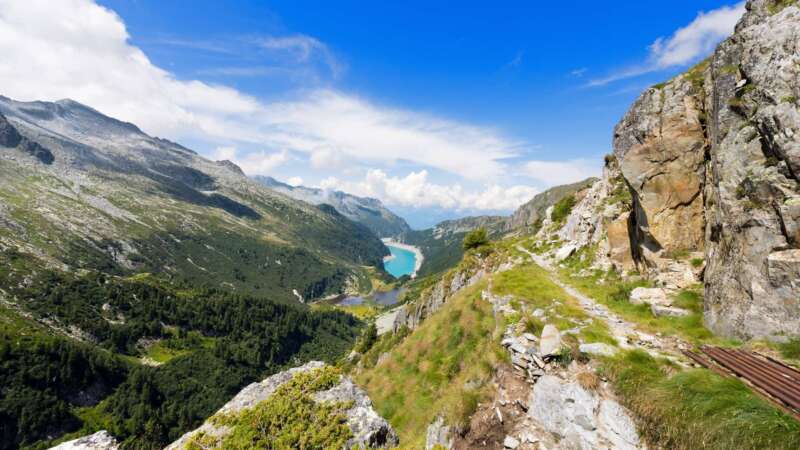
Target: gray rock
(565, 409)
(368, 428)
(580, 418)
(565, 252)
(598, 349)
(668, 311)
(550, 342)
(438, 433)
(101, 440)
(650, 296)
(618, 426)
(510, 442)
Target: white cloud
(687, 45)
(415, 190)
(303, 49)
(553, 173)
(224, 153)
(295, 181)
(77, 49)
(257, 163)
(577, 73)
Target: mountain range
(369, 212)
(83, 190)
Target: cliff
(712, 159)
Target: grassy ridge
(442, 367)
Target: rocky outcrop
(10, 137)
(368, 428)
(660, 145)
(712, 159)
(752, 196)
(101, 440)
(412, 314)
(531, 214)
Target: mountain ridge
(368, 211)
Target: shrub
(562, 208)
(475, 239)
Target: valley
(154, 298)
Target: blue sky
(439, 110)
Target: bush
(475, 239)
(562, 208)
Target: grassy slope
(694, 409)
(427, 373)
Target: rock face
(369, 429)
(753, 195)
(582, 419)
(712, 158)
(101, 440)
(660, 146)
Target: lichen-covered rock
(101, 440)
(752, 189)
(713, 160)
(369, 430)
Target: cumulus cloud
(415, 190)
(80, 50)
(553, 173)
(686, 45)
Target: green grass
(597, 331)
(441, 367)
(777, 6)
(531, 285)
(162, 352)
(791, 349)
(609, 289)
(562, 208)
(696, 409)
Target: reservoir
(402, 262)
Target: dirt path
(626, 333)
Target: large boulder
(550, 342)
(712, 158)
(660, 145)
(582, 419)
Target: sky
(440, 110)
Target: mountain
(533, 212)
(120, 252)
(369, 212)
(441, 245)
(84, 190)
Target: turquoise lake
(402, 263)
